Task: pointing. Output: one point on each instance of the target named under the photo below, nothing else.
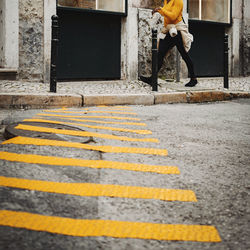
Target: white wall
(234, 33)
(247, 9)
(49, 11)
(9, 28)
(129, 44)
(183, 66)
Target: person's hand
(155, 10)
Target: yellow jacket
(172, 11)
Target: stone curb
(174, 97)
(207, 96)
(198, 96)
(126, 99)
(240, 94)
(36, 101)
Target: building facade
(111, 39)
(209, 20)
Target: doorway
(89, 45)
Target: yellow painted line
(108, 228)
(107, 149)
(94, 116)
(136, 131)
(95, 111)
(95, 121)
(83, 133)
(92, 189)
(61, 161)
(114, 107)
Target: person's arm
(156, 10)
(174, 12)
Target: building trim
(49, 11)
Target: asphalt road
(209, 144)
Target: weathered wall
(145, 46)
(2, 34)
(246, 38)
(78, 3)
(147, 3)
(239, 39)
(31, 40)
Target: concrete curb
(49, 100)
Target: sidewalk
(18, 94)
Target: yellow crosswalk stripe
(92, 189)
(107, 149)
(93, 116)
(83, 133)
(95, 121)
(108, 228)
(61, 161)
(142, 132)
(93, 111)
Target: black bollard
(154, 61)
(54, 45)
(226, 82)
(178, 66)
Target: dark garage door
(89, 45)
(207, 49)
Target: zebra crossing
(122, 117)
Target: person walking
(174, 33)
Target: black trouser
(168, 43)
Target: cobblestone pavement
(122, 87)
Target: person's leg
(187, 59)
(164, 46)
